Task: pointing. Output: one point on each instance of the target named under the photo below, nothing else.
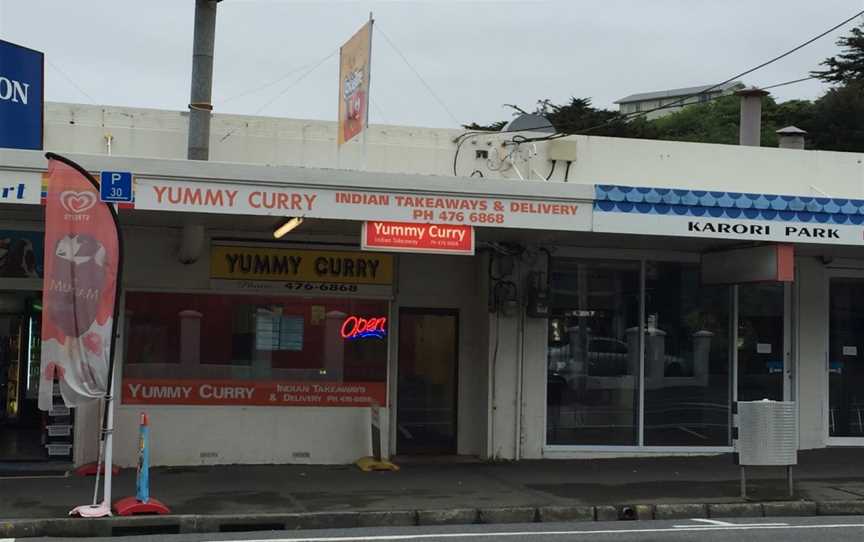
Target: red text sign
(138, 391)
(408, 237)
(357, 327)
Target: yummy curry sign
(280, 264)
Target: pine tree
(848, 66)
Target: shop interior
(23, 427)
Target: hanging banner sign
(408, 237)
(312, 271)
(354, 63)
(252, 392)
(244, 199)
(767, 263)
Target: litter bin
(767, 436)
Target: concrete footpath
(273, 497)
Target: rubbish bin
(767, 436)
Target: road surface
(821, 529)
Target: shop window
(605, 358)
(288, 346)
(687, 358)
(593, 366)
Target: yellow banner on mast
(354, 74)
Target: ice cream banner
(354, 71)
(82, 257)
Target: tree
(577, 116)
(493, 127)
(848, 66)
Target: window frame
(564, 451)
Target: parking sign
(115, 186)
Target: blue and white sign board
(22, 74)
(21, 187)
(115, 186)
(728, 215)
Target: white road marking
(718, 523)
(426, 536)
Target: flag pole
(365, 151)
(104, 509)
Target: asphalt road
(836, 529)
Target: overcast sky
(475, 55)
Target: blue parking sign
(116, 186)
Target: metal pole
(202, 80)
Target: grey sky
(475, 55)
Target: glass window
(235, 338)
(593, 364)
(846, 358)
(760, 341)
(687, 358)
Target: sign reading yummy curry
(300, 266)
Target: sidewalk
(831, 475)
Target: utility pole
(202, 80)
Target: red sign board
(252, 392)
(409, 237)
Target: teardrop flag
(80, 288)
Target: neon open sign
(357, 327)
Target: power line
(789, 82)
(285, 90)
(420, 77)
(70, 80)
(638, 114)
(266, 85)
(766, 63)
(379, 110)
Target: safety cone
(142, 503)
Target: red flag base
(91, 511)
(130, 506)
(90, 470)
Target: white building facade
(623, 294)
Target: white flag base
(91, 511)
(104, 509)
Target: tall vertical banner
(82, 259)
(354, 72)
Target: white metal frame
(826, 410)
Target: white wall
(401, 149)
(812, 328)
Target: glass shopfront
(641, 353)
(846, 358)
(270, 350)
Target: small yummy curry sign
(311, 271)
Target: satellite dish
(529, 122)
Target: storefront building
(593, 319)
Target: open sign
(356, 327)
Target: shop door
(762, 344)
(427, 381)
(846, 360)
(22, 425)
